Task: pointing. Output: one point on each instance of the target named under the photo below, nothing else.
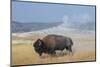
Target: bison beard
(51, 43)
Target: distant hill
(28, 27)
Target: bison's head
(38, 46)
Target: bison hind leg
(69, 48)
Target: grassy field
(23, 52)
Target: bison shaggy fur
(50, 43)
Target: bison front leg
(52, 52)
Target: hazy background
(27, 16)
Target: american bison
(50, 43)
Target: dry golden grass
(23, 53)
